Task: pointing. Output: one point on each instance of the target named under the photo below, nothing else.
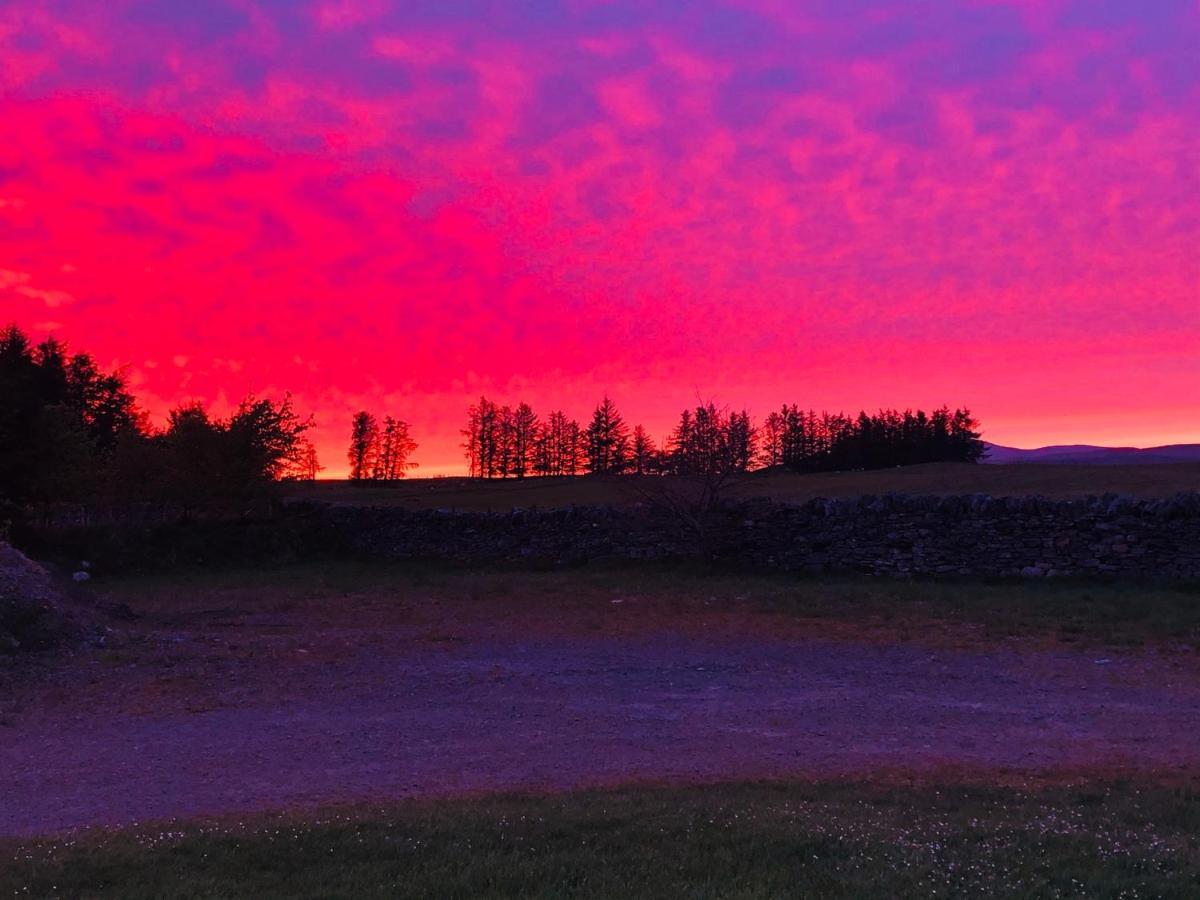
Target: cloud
(830, 199)
(19, 284)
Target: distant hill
(1096, 456)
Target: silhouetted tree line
(379, 453)
(711, 442)
(503, 442)
(807, 442)
(70, 432)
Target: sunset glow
(400, 206)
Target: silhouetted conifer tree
(524, 437)
(483, 439)
(644, 458)
(742, 440)
(607, 440)
(771, 448)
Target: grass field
(1062, 611)
(935, 478)
(728, 841)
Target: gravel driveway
(281, 717)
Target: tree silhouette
(379, 454)
(471, 444)
(701, 442)
(72, 432)
(607, 440)
(364, 445)
(770, 452)
(524, 439)
(707, 440)
(263, 440)
(395, 447)
(505, 441)
(644, 458)
(66, 470)
(706, 452)
(192, 471)
(812, 443)
(482, 439)
(306, 464)
(50, 398)
(742, 440)
(502, 441)
(565, 444)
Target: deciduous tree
(364, 445)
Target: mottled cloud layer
(403, 204)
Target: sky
(399, 206)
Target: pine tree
(505, 441)
(771, 449)
(481, 439)
(543, 450)
(742, 440)
(680, 443)
(574, 449)
(607, 441)
(525, 430)
(644, 454)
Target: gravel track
(402, 711)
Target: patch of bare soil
(35, 613)
(243, 706)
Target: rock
(1033, 572)
(80, 576)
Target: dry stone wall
(896, 535)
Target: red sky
(399, 206)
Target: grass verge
(737, 841)
(1109, 614)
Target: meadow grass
(1017, 480)
(738, 841)
(1112, 614)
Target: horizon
(844, 206)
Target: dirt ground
(235, 700)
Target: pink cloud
(368, 208)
